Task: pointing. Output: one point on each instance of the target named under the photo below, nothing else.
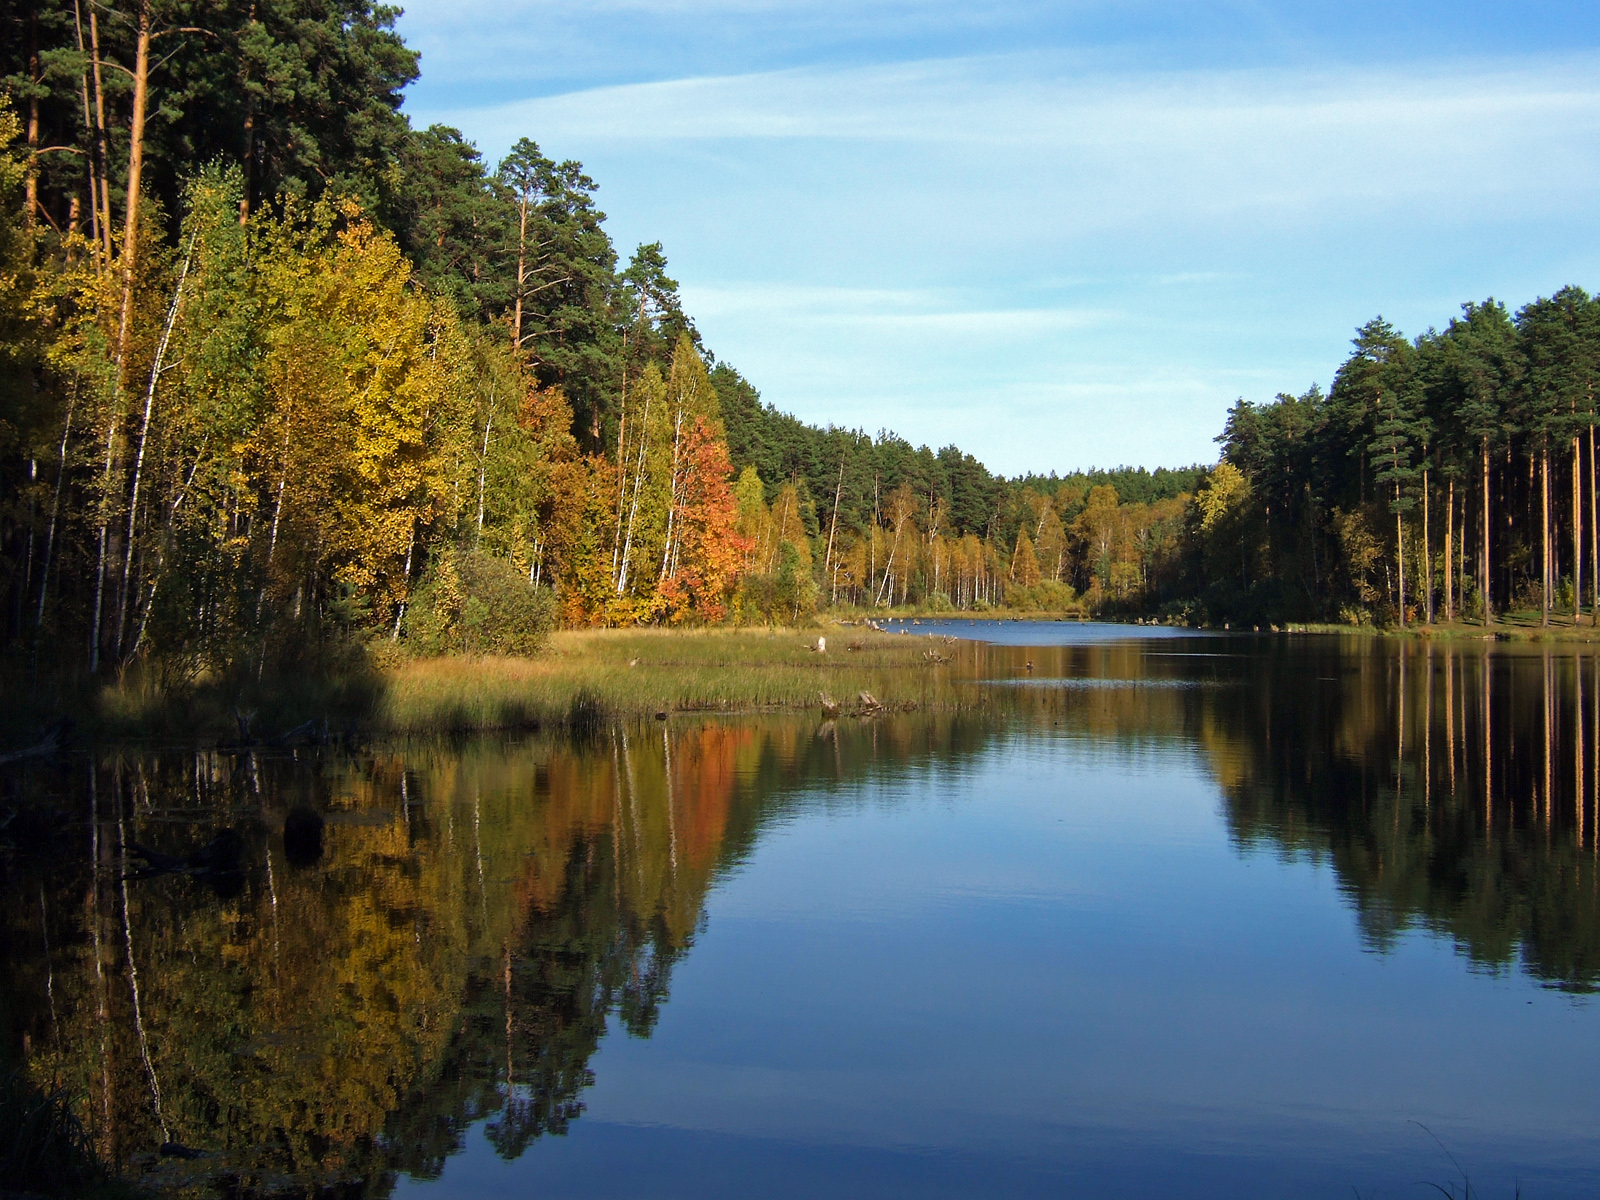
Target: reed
(591, 674)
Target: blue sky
(1057, 235)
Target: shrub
(470, 602)
(1045, 596)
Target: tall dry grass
(635, 672)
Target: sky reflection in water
(1198, 940)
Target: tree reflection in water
(480, 914)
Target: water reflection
(471, 920)
(1452, 790)
(474, 920)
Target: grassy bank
(640, 672)
(583, 676)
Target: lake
(1121, 911)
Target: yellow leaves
(1024, 565)
(368, 381)
(689, 390)
(1223, 493)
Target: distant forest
(278, 370)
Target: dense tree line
(275, 364)
(1450, 475)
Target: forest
(280, 373)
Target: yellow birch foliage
(367, 382)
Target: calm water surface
(1146, 915)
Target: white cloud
(1115, 151)
(1053, 262)
(927, 313)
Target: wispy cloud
(1070, 100)
(1054, 259)
(1121, 147)
(929, 313)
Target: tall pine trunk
(1427, 553)
(130, 230)
(1577, 530)
(1488, 609)
(1399, 558)
(522, 273)
(1449, 540)
(101, 147)
(92, 138)
(1544, 532)
(1594, 544)
(31, 180)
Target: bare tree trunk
(102, 539)
(272, 537)
(622, 469)
(89, 134)
(400, 609)
(130, 231)
(1488, 609)
(30, 199)
(483, 462)
(1594, 556)
(1577, 530)
(522, 275)
(101, 150)
(1449, 545)
(888, 569)
(1427, 553)
(161, 557)
(144, 433)
(672, 493)
(1400, 560)
(833, 524)
(633, 511)
(55, 508)
(1544, 532)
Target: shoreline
(585, 677)
(580, 680)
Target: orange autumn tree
(707, 552)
